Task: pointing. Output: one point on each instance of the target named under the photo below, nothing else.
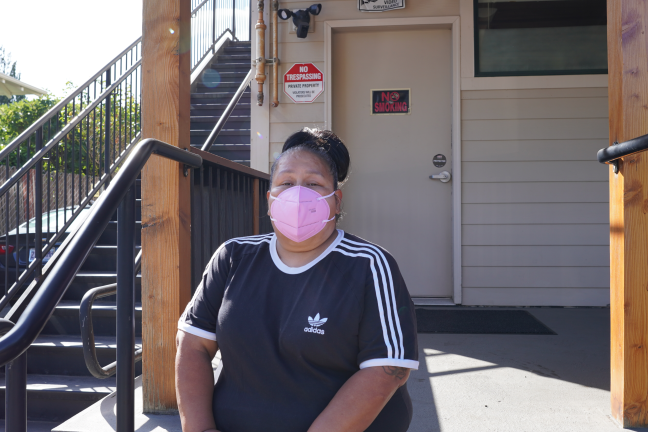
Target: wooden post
(628, 99)
(166, 211)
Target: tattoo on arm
(394, 371)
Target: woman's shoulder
(360, 247)
(240, 246)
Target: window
(546, 37)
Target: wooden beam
(628, 102)
(166, 211)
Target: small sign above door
(380, 5)
(386, 102)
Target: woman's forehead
(302, 162)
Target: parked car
(19, 246)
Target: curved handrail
(609, 155)
(87, 328)
(39, 310)
(5, 326)
(228, 111)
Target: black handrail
(87, 329)
(228, 111)
(609, 155)
(120, 194)
(36, 315)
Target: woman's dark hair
(323, 144)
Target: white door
(389, 198)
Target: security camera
(301, 18)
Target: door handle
(445, 177)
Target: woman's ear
(268, 199)
(338, 201)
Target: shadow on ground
(517, 382)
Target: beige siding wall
(289, 117)
(534, 199)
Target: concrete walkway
(486, 383)
(517, 383)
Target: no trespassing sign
(303, 83)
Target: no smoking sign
(303, 83)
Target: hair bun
(324, 141)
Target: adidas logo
(315, 322)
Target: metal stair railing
(120, 195)
(87, 328)
(228, 111)
(60, 164)
(612, 154)
(211, 20)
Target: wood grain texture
(166, 206)
(628, 96)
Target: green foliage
(18, 116)
(82, 150)
(8, 68)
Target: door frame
(444, 22)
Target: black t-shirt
(291, 337)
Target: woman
(316, 328)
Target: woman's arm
(195, 381)
(357, 404)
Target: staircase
(215, 90)
(59, 384)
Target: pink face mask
(299, 213)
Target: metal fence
(228, 200)
(211, 20)
(60, 164)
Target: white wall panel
(536, 277)
(558, 296)
(535, 201)
(535, 192)
(536, 256)
(537, 235)
(545, 213)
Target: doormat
(480, 321)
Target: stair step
(109, 236)
(65, 319)
(227, 74)
(63, 355)
(238, 58)
(236, 120)
(233, 67)
(216, 110)
(104, 258)
(226, 94)
(235, 152)
(59, 397)
(224, 132)
(208, 87)
(86, 280)
(208, 126)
